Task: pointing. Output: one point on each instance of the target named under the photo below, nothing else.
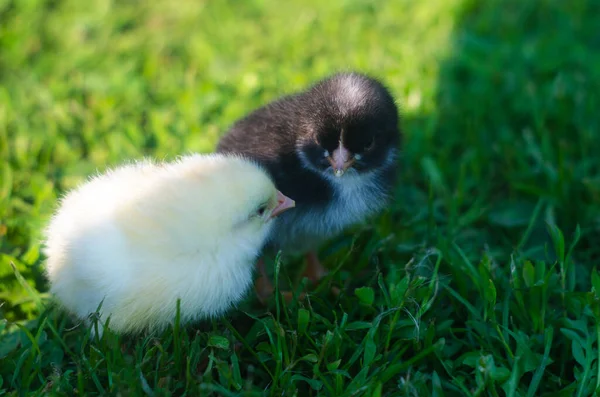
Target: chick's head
(351, 128)
(239, 200)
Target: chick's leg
(264, 288)
(314, 270)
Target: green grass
(480, 278)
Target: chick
(333, 148)
(141, 236)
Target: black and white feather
(332, 148)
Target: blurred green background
(499, 104)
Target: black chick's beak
(340, 160)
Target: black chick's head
(350, 128)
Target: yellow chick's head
(243, 200)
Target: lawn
(480, 278)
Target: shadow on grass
(511, 153)
(516, 125)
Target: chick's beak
(284, 203)
(340, 160)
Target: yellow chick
(143, 235)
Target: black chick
(331, 148)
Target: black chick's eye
(370, 145)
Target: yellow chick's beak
(284, 203)
(340, 160)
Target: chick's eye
(370, 145)
(261, 210)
